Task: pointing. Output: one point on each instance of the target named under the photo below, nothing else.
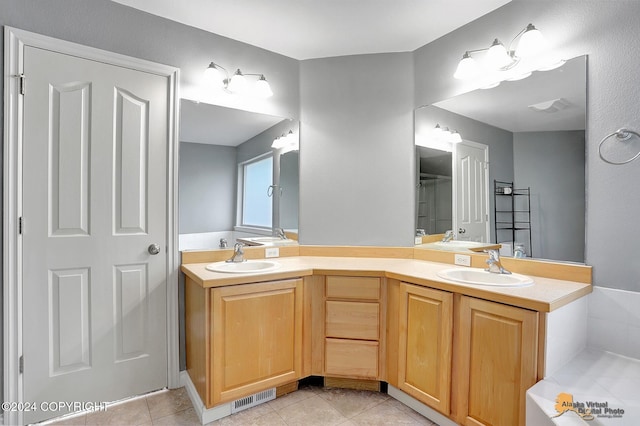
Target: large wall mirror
(530, 188)
(232, 183)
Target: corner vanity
(464, 352)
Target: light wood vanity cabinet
(243, 339)
(496, 359)
(353, 312)
(470, 359)
(425, 319)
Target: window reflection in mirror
(256, 180)
(535, 131)
(214, 144)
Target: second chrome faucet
(493, 261)
(238, 254)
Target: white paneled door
(471, 190)
(94, 161)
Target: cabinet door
(257, 337)
(424, 355)
(497, 359)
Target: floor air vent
(253, 400)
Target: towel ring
(621, 135)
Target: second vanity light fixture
(217, 77)
(500, 58)
(439, 138)
(446, 135)
(287, 142)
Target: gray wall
(207, 190)
(599, 29)
(356, 152)
(499, 141)
(552, 164)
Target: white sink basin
(481, 277)
(247, 267)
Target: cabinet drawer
(363, 288)
(351, 358)
(352, 320)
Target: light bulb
(213, 77)
(238, 83)
(276, 143)
(497, 55)
(531, 42)
(263, 89)
(455, 137)
(467, 68)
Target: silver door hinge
(21, 364)
(21, 81)
(20, 225)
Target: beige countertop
(545, 295)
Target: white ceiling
(304, 29)
(216, 125)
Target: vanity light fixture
(217, 77)
(287, 142)
(445, 135)
(455, 137)
(439, 138)
(500, 58)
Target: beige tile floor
(310, 405)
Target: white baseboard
(184, 376)
(205, 415)
(418, 406)
(212, 414)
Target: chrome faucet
(279, 232)
(448, 236)
(495, 266)
(238, 254)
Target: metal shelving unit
(512, 213)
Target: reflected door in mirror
(471, 188)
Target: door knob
(461, 230)
(154, 249)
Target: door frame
(15, 41)
(454, 187)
